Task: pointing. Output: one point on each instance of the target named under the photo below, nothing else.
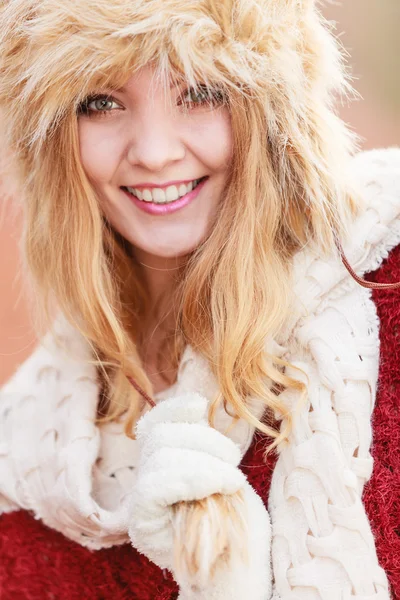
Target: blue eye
(100, 104)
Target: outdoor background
(369, 29)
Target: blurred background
(368, 29)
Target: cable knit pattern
(77, 477)
(322, 544)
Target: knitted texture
(38, 563)
(322, 543)
(382, 492)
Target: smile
(166, 207)
(164, 196)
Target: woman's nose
(155, 144)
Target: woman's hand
(193, 511)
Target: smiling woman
(147, 134)
(187, 188)
(180, 144)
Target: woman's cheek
(99, 152)
(217, 142)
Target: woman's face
(157, 145)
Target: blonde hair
(279, 66)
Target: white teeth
(159, 196)
(147, 195)
(171, 193)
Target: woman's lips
(170, 207)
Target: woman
(187, 188)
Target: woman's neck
(159, 275)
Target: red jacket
(37, 563)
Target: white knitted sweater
(78, 477)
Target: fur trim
(54, 53)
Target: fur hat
(54, 53)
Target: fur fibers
(54, 53)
